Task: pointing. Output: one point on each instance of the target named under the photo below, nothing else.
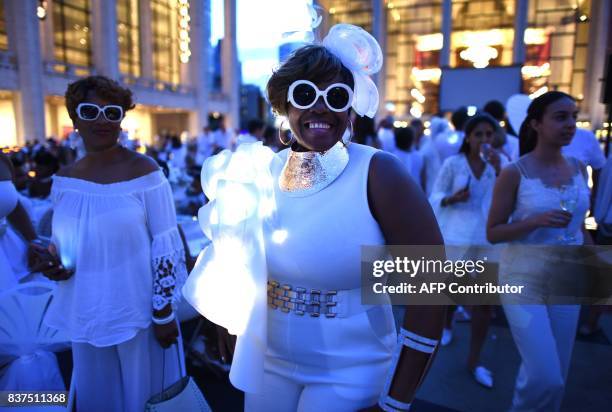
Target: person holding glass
(117, 256)
(541, 199)
(461, 197)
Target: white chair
(26, 343)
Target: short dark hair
(312, 62)
(104, 87)
(404, 136)
(471, 125)
(496, 109)
(459, 117)
(254, 125)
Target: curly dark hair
(104, 87)
(312, 62)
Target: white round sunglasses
(91, 111)
(303, 94)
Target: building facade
(158, 48)
(539, 45)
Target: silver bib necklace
(306, 173)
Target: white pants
(122, 377)
(321, 364)
(544, 336)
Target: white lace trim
(169, 275)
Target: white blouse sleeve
(167, 253)
(443, 185)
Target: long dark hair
(471, 125)
(528, 137)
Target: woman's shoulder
(140, 165)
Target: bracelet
(164, 321)
(413, 341)
(388, 404)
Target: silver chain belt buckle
(299, 300)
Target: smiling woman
(114, 228)
(330, 198)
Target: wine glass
(485, 149)
(568, 202)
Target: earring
(346, 139)
(280, 136)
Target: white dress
(123, 243)
(413, 161)
(463, 223)
(8, 201)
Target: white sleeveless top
(325, 230)
(8, 198)
(534, 197)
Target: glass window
(128, 36)
(3, 35)
(165, 41)
(357, 12)
(557, 43)
(483, 33)
(413, 50)
(72, 31)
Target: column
(230, 66)
(146, 39)
(198, 64)
(447, 29)
(105, 46)
(597, 55)
(379, 31)
(24, 37)
(520, 25)
(46, 35)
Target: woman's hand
(494, 160)
(226, 343)
(47, 262)
(166, 334)
(460, 196)
(552, 218)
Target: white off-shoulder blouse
(123, 243)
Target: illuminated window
(557, 43)
(166, 41)
(72, 32)
(357, 12)
(483, 33)
(3, 36)
(412, 59)
(128, 32)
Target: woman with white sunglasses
(325, 350)
(117, 256)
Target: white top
(585, 147)
(413, 161)
(387, 139)
(463, 223)
(431, 162)
(603, 201)
(511, 147)
(8, 202)
(535, 197)
(448, 143)
(123, 242)
(324, 230)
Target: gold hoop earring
(347, 141)
(280, 136)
